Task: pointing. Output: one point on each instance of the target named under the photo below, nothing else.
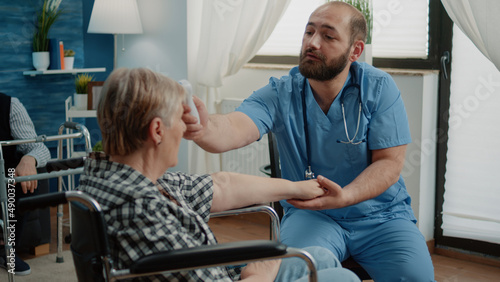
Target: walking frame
(58, 169)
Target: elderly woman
(149, 209)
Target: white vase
(68, 63)
(80, 101)
(366, 56)
(41, 60)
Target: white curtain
(472, 190)
(478, 19)
(225, 35)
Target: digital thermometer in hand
(189, 98)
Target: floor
(253, 227)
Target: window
(470, 195)
(400, 31)
(286, 38)
(400, 28)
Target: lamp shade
(115, 17)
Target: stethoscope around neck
(309, 174)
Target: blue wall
(44, 95)
(162, 47)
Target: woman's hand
(308, 189)
(261, 271)
(334, 197)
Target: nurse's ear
(356, 49)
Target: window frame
(433, 58)
(432, 62)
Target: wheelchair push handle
(58, 165)
(41, 201)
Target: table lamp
(115, 17)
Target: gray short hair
(131, 99)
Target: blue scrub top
(277, 107)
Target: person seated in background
(149, 209)
(15, 124)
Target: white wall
(247, 80)
(419, 92)
(162, 47)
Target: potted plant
(81, 90)
(365, 7)
(98, 147)
(69, 59)
(44, 20)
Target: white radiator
(249, 159)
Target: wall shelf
(73, 71)
(74, 113)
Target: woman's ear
(357, 48)
(156, 130)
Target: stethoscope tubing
(309, 174)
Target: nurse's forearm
(227, 132)
(373, 181)
(379, 176)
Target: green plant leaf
(44, 20)
(81, 83)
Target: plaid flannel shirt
(141, 220)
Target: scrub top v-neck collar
(314, 111)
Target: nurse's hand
(334, 198)
(193, 128)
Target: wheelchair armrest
(250, 209)
(206, 256)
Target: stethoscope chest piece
(309, 174)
